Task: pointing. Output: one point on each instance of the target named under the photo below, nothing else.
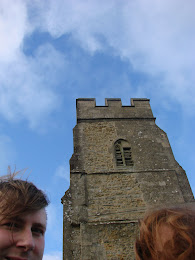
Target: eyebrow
(39, 225)
(34, 224)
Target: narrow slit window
(123, 153)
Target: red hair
(179, 246)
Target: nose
(25, 240)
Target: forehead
(38, 216)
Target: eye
(8, 224)
(38, 231)
(11, 225)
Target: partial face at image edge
(23, 238)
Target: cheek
(40, 245)
(5, 239)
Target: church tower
(122, 165)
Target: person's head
(22, 219)
(167, 234)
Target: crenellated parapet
(122, 165)
(113, 109)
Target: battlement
(113, 109)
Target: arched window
(123, 153)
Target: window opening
(123, 153)
(119, 159)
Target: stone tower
(122, 164)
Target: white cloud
(26, 86)
(157, 37)
(83, 19)
(53, 256)
(63, 172)
(146, 32)
(13, 27)
(26, 82)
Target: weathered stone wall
(114, 197)
(105, 201)
(108, 241)
(149, 144)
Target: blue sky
(54, 51)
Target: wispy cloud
(25, 91)
(63, 171)
(26, 82)
(14, 26)
(53, 256)
(157, 37)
